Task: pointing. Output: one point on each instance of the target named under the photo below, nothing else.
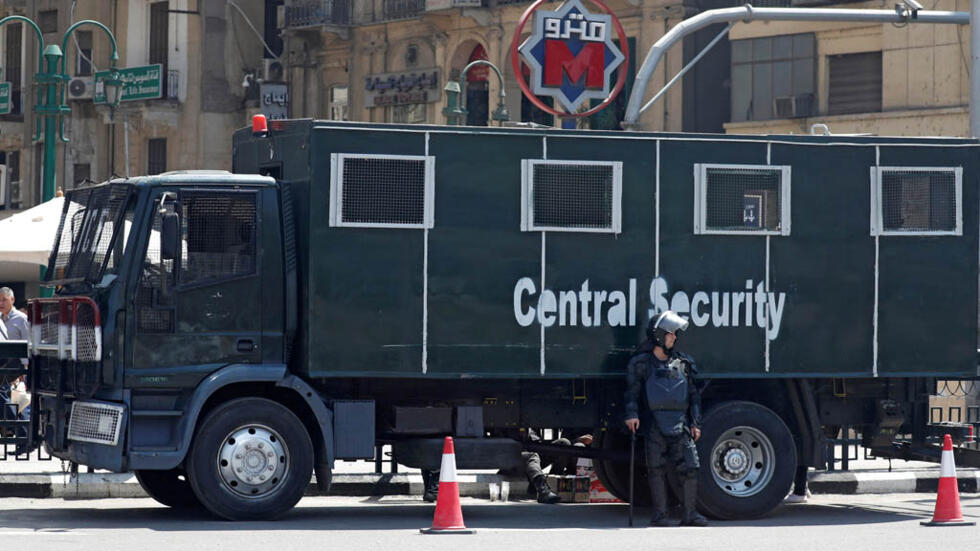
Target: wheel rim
(252, 461)
(742, 461)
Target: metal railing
(311, 13)
(173, 84)
(402, 9)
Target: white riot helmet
(666, 322)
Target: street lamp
(500, 113)
(51, 105)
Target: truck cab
(148, 319)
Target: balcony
(402, 9)
(312, 13)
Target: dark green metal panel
(362, 288)
(476, 255)
(928, 285)
(710, 263)
(610, 262)
(826, 266)
(365, 284)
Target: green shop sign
(139, 83)
(4, 98)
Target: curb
(926, 481)
(124, 485)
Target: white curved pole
(747, 13)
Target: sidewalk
(44, 478)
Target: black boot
(691, 515)
(658, 493)
(545, 495)
(430, 484)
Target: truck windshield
(95, 225)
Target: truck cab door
(200, 309)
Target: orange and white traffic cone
(448, 518)
(947, 512)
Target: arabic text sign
(402, 88)
(5, 98)
(139, 83)
(275, 100)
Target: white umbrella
(27, 237)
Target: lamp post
(51, 104)
(456, 94)
(50, 83)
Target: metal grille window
(219, 234)
(385, 191)
(13, 65)
(155, 311)
(773, 77)
(579, 196)
(83, 56)
(159, 32)
(741, 199)
(916, 201)
(854, 83)
(156, 156)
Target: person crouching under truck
(672, 419)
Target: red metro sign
(571, 56)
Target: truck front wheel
(748, 459)
(251, 459)
(169, 488)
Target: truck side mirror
(169, 236)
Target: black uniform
(665, 396)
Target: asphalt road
(849, 522)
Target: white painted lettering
(567, 308)
(658, 297)
(680, 304)
(598, 297)
(737, 300)
(775, 314)
(699, 319)
(760, 306)
(547, 306)
(524, 285)
(748, 303)
(616, 315)
(632, 302)
(719, 319)
(584, 296)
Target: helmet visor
(671, 322)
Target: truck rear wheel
(615, 475)
(169, 488)
(252, 459)
(748, 459)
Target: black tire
(751, 437)
(615, 475)
(170, 488)
(252, 437)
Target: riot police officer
(664, 380)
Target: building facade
(856, 78)
(204, 55)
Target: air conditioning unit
(272, 71)
(81, 88)
(789, 107)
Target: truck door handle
(245, 345)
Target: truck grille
(96, 422)
(66, 345)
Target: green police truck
(225, 335)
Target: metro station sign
(571, 56)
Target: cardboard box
(564, 486)
(582, 489)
